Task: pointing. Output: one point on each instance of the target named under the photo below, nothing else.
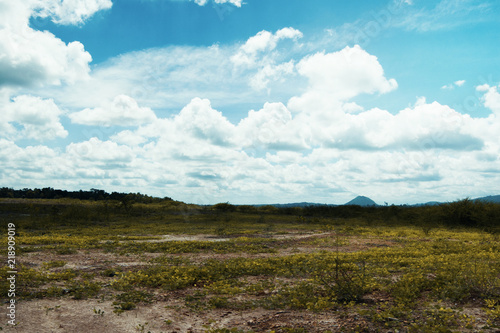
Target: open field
(109, 266)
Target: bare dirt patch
(64, 315)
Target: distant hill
(490, 198)
(362, 201)
(294, 204)
(430, 203)
(367, 202)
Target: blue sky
(252, 101)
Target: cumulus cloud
(435, 126)
(196, 131)
(199, 156)
(337, 77)
(39, 118)
(99, 151)
(31, 166)
(346, 73)
(202, 122)
(491, 98)
(426, 126)
(31, 57)
(271, 128)
(128, 138)
(122, 111)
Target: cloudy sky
(252, 101)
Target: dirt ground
(168, 313)
(66, 315)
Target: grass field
(103, 266)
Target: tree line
(93, 195)
(461, 213)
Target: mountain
(362, 201)
(490, 198)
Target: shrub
(84, 289)
(345, 282)
(408, 288)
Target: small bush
(123, 306)
(65, 250)
(84, 289)
(344, 282)
(408, 288)
(53, 264)
(135, 296)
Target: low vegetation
(411, 269)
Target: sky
(252, 101)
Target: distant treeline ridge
(92, 194)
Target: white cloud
(270, 73)
(237, 3)
(339, 76)
(196, 130)
(421, 128)
(199, 156)
(491, 98)
(272, 128)
(452, 86)
(445, 14)
(122, 111)
(29, 166)
(31, 57)
(202, 122)
(38, 117)
(23, 157)
(346, 73)
(161, 78)
(128, 138)
(262, 41)
(95, 150)
(69, 11)
(168, 78)
(483, 87)
(434, 126)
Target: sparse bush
(134, 296)
(53, 264)
(409, 287)
(344, 281)
(123, 306)
(66, 250)
(83, 289)
(224, 207)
